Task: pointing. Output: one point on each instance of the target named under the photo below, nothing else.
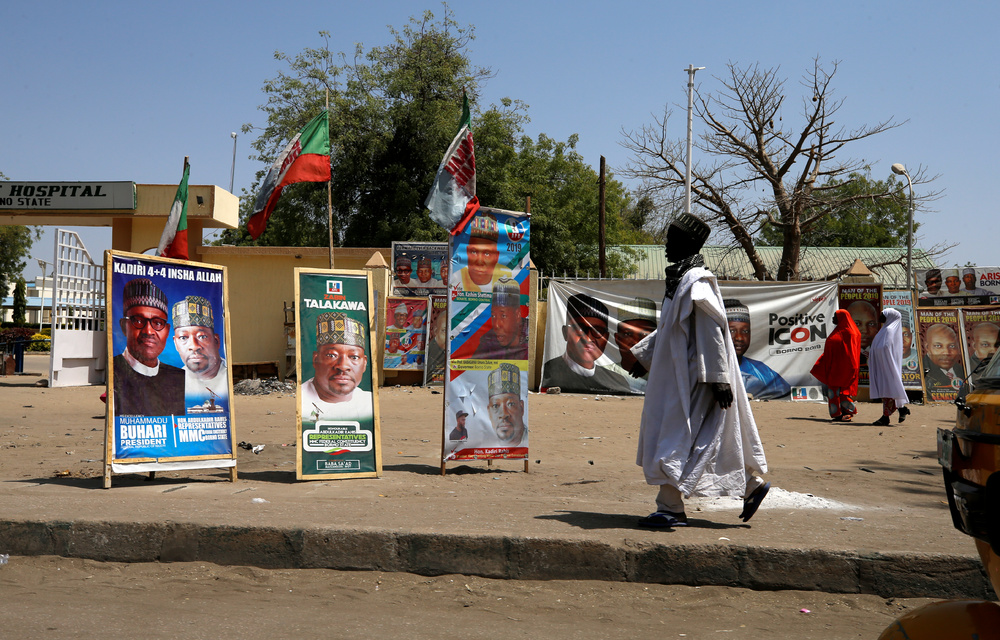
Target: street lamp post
(232, 171)
(900, 170)
(687, 168)
(41, 297)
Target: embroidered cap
(695, 227)
(581, 305)
(337, 328)
(507, 293)
(506, 379)
(141, 292)
(484, 226)
(193, 311)
(736, 311)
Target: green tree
(863, 213)
(564, 193)
(20, 302)
(756, 168)
(15, 244)
(393, 112)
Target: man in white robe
(697, 436)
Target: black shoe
(903, 412)
(663, 520)
(882, 422)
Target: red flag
(305, 159)
(174, 241)
(452, 200)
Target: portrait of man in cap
(424, 270)
(418, 318)
(459, 432)
(444, 272)
(970, 281)
(340, 363)
(482, 253)
(586, 335)
(400, 315)
(144, 386)
(636, 320)
(206, 377)
(761, 381)
(932, 284)
(952, 282)
(507, 338)
(404, 269)
(506, 408)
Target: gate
(79, 331)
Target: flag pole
(329, 187)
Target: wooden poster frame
(173, 463)
(373, 367)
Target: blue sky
(123, 91)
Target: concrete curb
(884, 574)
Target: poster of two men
(169, 385)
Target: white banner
(780, 331)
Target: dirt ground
(836, 486)
(49, 597)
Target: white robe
(885, 360)
(360, 407)
(685, 439)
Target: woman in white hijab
(885, 367)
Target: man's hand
(637, 370)
(723, 394)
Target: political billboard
(169, 383)
(778, 331)
(337, 426)
(405, 333)
(486, 383)
(419, 268)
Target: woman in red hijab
(838, 367)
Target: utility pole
(687, 164)
(602, 257)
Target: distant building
(815, 263)
(39, 297)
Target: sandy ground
(48, 597)
(852, 487)
(836, 486)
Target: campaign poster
(941, 353)
(405, 334)
(981, 328)
(902, 301)
(169, 383)
(864, 303)
(486, 387)
(437, 341)
(778, 330)
(337, 426)
(957, 287)
(419, 268)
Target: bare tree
(756, 168)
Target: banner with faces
(778, 331)
(486, 381)
(169, 383)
